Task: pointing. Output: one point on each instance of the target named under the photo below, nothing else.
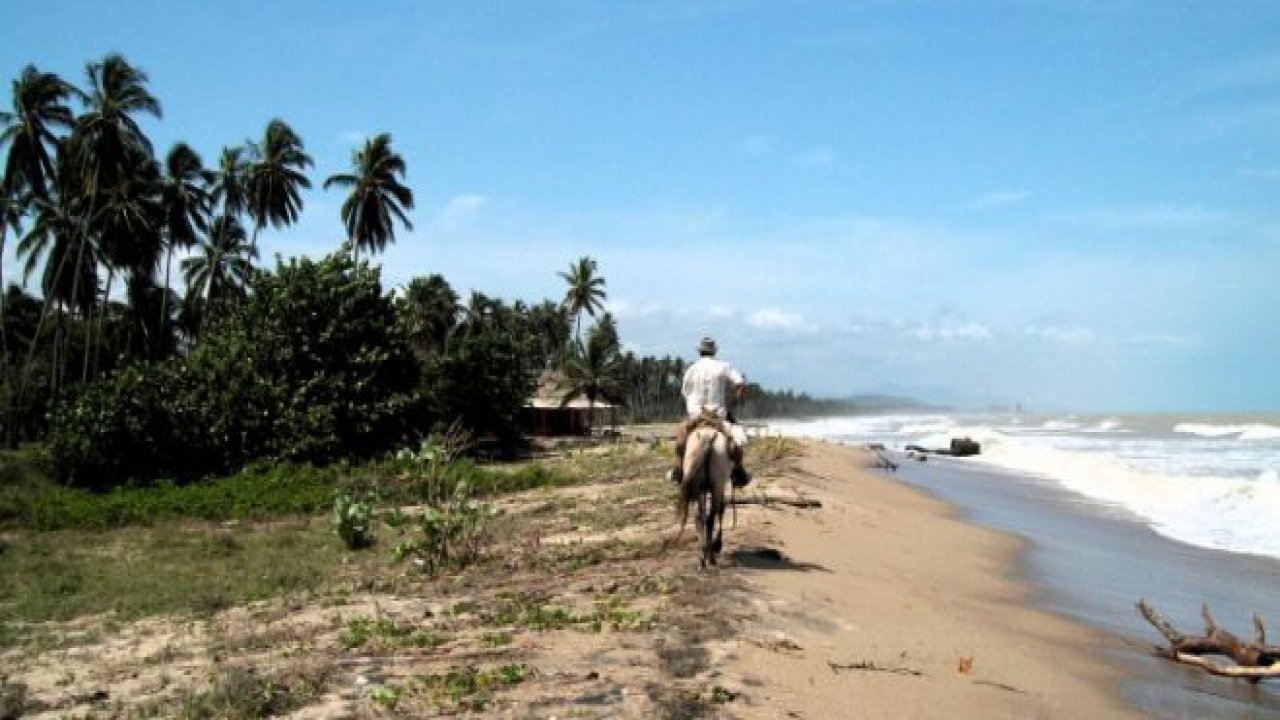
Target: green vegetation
(243, 693)
(539, 615)
(467, 688)
(138, 572)
(386, 634)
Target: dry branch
(1253, 661)
(775, 500)
(872, 667)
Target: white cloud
(460, 208)
(1149, 217)
(948, 333)
(952, 332)
(997, 199)
(775, 319)
(1062, 335)
(1163, 340)
(623, 308)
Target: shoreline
(891, 602)
(1091, 563)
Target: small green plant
(387, 696)
(452, 527)
(353, 518)
(386, 633)
(496, 639)
(721, 695)
(471, 687)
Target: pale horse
(706, 483)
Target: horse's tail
(694, 480)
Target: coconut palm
(28, 131)
(228, 183)
(118, 178)
(594, 370)
(186, 204)
(549, 322)
(58, 242)
(107, 140)
(586, 291)
(275, 178)
(222, 265)
(28, 134)
(431, 311)
(377, 196)
(129, 225)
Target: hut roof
(552, 387)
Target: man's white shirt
(706, 383)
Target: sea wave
(1248, 431)
(1209, 485)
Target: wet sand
(1092, 563)
(885, 604)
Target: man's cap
(707, 345)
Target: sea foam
(1215, 485)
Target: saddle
(711, 420)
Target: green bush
(353, 518)
(452, 527)
(313, 366)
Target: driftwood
(1253, 660)
(869, 666)
(775, 500)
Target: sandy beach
(878, 604)
(888, 606)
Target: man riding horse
(706, 384)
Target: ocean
(1207, 480)
(1180, 509)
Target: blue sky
(1071, 205)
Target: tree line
(126, 374)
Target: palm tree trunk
(164, 299)
(218, 245)
(102, 319)
(10, 416)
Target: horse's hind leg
(712, 546)
(716, 519)
(704, 517)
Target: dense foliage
(312, 367)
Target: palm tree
(431, 309)
(228, 184)
(107, 137)
(129, 223)
(377, 197)
(118, 177)
(594, 370)
(69, 281)
(28, 131)
(275, 177)
(586, 291)
(223, 264)
(186, 206)
(549, 322)
(229, 190)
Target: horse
(706, 482)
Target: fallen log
(1253, 660)
(774, 500)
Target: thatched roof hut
(549, 414)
